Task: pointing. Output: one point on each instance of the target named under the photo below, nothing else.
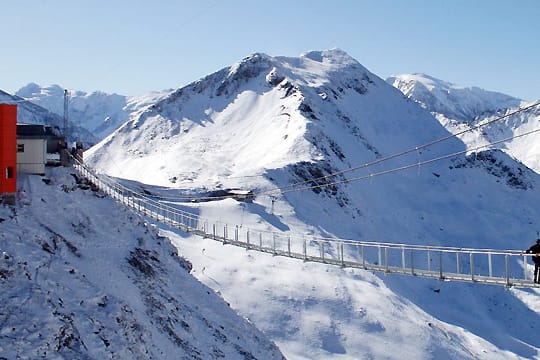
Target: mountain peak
(428, 81)
(33, 90)
(250, 65)
(333, 56)
(458, 102)
(278, 110)
(30, 88)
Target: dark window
(9, 172)
(20, 147)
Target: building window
(9, 172)
(20, 147)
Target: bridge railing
(478, 265)
(508, 267)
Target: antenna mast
(66, 101)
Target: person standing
(535, 249)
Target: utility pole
(66, 101)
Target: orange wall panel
(8, 148)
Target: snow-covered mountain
(264, 113)
(459, 108)
(269, 122)
(30, 113)
(98, 112)
(83, 278)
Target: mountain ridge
(462, 103)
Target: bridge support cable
(486, 266)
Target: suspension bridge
(483, 266)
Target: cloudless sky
(134, 47)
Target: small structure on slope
(29, 148)
(38, 146)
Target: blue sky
(133, 47)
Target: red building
(8, 151)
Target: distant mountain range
(30, 113)
(98, 112)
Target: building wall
(8, 150)
(31, 156)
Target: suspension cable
(405, 167)
(405, 152)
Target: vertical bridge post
(472, 266)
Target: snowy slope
(98, 112)
(30, 113)
(82, 278)
(459, 108)
(269, 122)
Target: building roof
(37, 131)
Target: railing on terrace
(503, 267)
